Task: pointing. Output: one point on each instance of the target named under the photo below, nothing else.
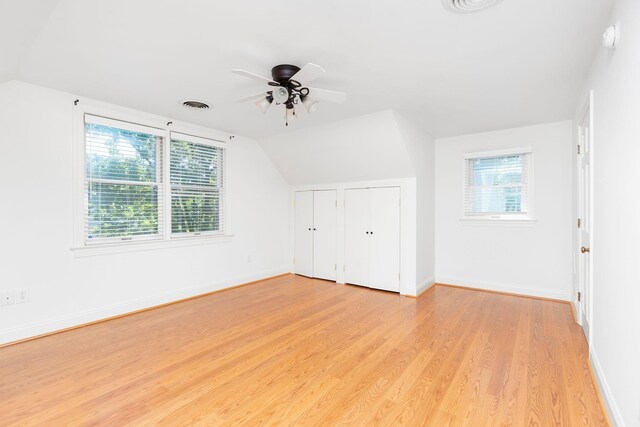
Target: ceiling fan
(289, 88)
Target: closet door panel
(325, 223)
(385, 239)
(303, 233)
(356, 225)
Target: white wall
(421, 150)
(615, 325)
(533, 260)
(364, 148)
(36, 217)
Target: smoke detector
(468, 6)
(610, 37)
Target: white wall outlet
(22, 295)
(8, 297)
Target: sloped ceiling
(369, 147)
(520, 62)
(21, 21)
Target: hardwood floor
(297, 351)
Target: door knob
(585, 250)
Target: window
(497, 185)
(196, 185)
(145, 183)
(123, 180)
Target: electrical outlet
(22, 295)
(8, 297)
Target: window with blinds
(149, 183)
(123, 180)
(196, 177)
(498, 185)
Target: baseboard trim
(606, 396)
(78, 320)
(422, 288)
(573, 311)
(425, 286)
(505, 289)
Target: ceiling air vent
(197, 105)
(468, 6)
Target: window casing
(498, 185)
(147, 184)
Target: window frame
(515, 219)
(159, 184)
(197, 139)
(165, 239)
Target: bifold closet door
(325, 219)
(356, 226)
(385, 239)
(303, 233)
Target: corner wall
(533, 260)
(37, 218)
(615, 325)
(421, 151)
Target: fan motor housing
(283, 72)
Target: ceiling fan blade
(308, 73)
(252, 76)
(254, 97)
(327, 95)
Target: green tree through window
(196, 187)
(122, 182)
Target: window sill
(148, 245)
(499, 222)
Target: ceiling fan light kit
(280, 95)
(289, 89)
(310, 104)
(263, 104)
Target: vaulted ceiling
(518, 63)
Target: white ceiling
(518, 63)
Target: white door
(356, 236)
(385, 239)
(584, 232)
(303, 233)
(325, 218)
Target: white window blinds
(497, 184)
(197, 191)
(123, 180)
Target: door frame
(580, 314)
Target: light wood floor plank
(298, 351)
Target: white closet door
(325, 224)
(303, 232)
(385, 239)
(356, 234)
